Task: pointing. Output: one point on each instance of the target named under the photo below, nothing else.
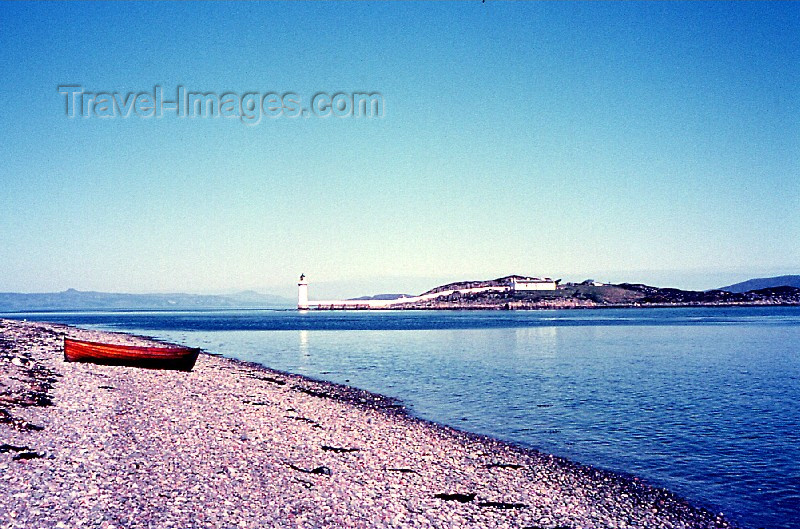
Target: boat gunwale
(142, 348)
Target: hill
(591, 295)
(763, 282)
(82, 300)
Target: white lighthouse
(302, 293)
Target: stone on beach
(233, 444)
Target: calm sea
(704, 402)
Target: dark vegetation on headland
(590, 294)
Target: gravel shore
(236, 445)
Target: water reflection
(541, 341)
(303, 343)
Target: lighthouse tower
(302, 293)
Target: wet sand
(237, 445)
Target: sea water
(702, 401)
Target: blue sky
(624, 141)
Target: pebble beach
(238, 445)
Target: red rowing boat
(179, 358)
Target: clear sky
(621, 141)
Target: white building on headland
(526, 284)
(515, 284)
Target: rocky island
(516, 292)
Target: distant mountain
(253, 297)
(762, 283)
(79, 300)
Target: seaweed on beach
(456, 496)
(313, 393)
(338, 450)
(17, 423)
(502, 505)
(273, 380)
(307, 484)
(312, 422)
(322, 389)
(22, 456)
(512, 466)
(322, 470)
(26, 398)
(256, 402)
(27, 383)
(11, 448)
(351, 395)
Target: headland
(531, 293)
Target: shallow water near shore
(700, 401)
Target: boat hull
(177, 358)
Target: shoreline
(280, 448)
(443, 306)
(537, 307)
